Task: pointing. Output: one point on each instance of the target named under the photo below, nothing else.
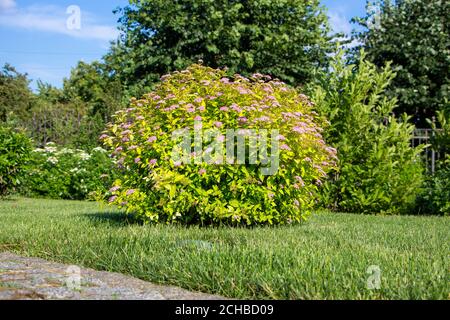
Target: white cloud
(339, 22)
(6, 5)
(53, 19)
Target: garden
(237, 163)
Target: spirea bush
(204, 187)
(15, 149)
(62, 173)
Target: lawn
(324, 258)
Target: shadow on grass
(9, 199)
(114, 219)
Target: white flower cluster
(52, 152)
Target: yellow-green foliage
(154, 187)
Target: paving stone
(38, 279)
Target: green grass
(325, 258)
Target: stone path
(33, 278)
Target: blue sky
(36, 40)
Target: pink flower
(126, 132)
(198, 118)
(285, 147)
(152, 162)
(263, 119)
(132, 147)
(243, 90)
(130, 192)
(137, 160)
(268, 89)
(113, 189)
(118, 149)
(218, 124)
(151, 139)
(103, 136)
(242, 119)
(281, 137)
(300, 180)
(198, 100)
(298, 129)
(223, 108)
(201, 171)
(235, 107)
(177, 163)
(201, 109)
(111, 199)
(221, 138)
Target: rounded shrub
(175, 149)
(15, 148)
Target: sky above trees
(44, 39)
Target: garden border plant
(154, 187)
(379, 170)
(15, 149)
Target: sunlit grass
(324, 258)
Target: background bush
(63, 173)
(156, 188)
(15, 148)
(435, 198)
(379, 171)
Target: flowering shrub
(15, 148)
(63, 173)
(156, 186)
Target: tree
(16, 97)
(90, 83)
(414, 35)
(287, 39)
